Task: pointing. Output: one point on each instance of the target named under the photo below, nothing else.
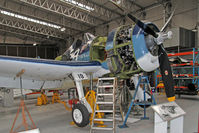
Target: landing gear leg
(82, 110)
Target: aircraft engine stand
(144, 81)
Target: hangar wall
(185, 16)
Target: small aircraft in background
(127, 51)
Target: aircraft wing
(37, 72)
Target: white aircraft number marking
(80, 76)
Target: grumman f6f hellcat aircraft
(128, 50)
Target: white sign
(168, 111)
(31, 131)
(79, 76)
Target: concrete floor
(55, 119)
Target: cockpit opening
(97, 49)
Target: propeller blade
(166, 24)
(165, 70)
(142, 25)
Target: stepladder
(105, 101)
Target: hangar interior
(21, 20)
(46, 29)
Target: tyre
(80, 115)
(191, 87)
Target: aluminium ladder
(107, 100)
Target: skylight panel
(79, 5)
(29, 19)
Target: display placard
(31, 131)
(168, 111)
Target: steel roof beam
(133, 12)
(70, 27)
(24, 35)
(75, 27)
(34, 28)
(136, 4)
(102, 10)
(69, 12)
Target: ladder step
(104, 102)
(102, 128)
(105, 86)
(105, 111)
(106, 78)
(109, 94)
(103, 119)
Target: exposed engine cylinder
(126, 55)
(120, 56)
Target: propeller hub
(162, 37)
(151, 45)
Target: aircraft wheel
(80, 115)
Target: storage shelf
(188, 70)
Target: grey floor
(55, 119)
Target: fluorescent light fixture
(79, 5)
(63, 29)
(29, 19)
(34, 44)
(118, 1)
(194, 30)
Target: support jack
(24, 111)
(24, 123)
(42, 100)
